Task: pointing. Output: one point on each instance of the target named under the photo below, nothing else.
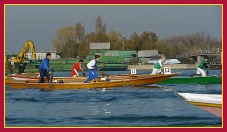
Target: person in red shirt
(76, 67)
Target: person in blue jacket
(92, 66)
(44, 68)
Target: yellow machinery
(20, 60)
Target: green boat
(192, 80)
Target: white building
(148, 53)
(41, 55)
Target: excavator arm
(20, 58)
(19, 61)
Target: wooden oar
(51, 86)
(83, 73)
(50, 81)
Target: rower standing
(76, 67)
(158, 65)
(202, 64)
(92, 66)
(44, 68)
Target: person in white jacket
(158, 65)
(92, 66)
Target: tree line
(73, 42)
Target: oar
(207, 70)
(50, 81)
(83, 74)
(51, 86)
(51, 72)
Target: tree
(100, 28)
(100, 31)
(195, 43)
(115, 40)
(80, 39)
(73, 42)
(149, 40)
(134, 43)
(69, 40)
(64, 41)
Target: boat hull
(193, 80)
(208, 102)
(34, 79)
(136, 80)
(214, 109)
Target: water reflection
(98, 108)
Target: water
(154, 106)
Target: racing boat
(193, 80)
(209, 102)
(96, 83)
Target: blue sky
(39, 23)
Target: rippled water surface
(153, 105)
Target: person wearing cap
(44, 68)
(157, 66)
(76, 67)
(92, 66)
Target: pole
(123, 42)
(79, 46)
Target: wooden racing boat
(69, 79)
(172, 80)
(192, 80)
(133, 80)
(209, 102)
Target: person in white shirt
(158, 65)
(92, 66)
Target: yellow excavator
(19, 61)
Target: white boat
(167, 61)
(209, 102)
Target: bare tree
(101, 35)
(79, 38)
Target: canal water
(155, 105)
